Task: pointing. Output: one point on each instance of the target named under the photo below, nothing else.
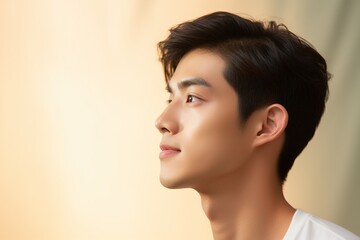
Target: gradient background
(80, 88)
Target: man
(245, 99)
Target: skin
(232, 164)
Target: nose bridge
(168, 119)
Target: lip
(168, 151)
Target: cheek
(214, 143)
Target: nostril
(164, 130)
(167, 122)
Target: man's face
(203, 139)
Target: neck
(254, 208)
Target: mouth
(168, 151)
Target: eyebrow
(189, 82)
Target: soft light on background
(80, 88)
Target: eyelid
(170, 98)
(195, 96)
(193, 100)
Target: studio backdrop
(81, 87)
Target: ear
(272, 124)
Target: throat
(247, 215)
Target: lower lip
(168, 153)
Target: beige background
(80, 88)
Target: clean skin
(232, 164)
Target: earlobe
(273, 123)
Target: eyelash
(188, 97)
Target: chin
(173, 183)
(169, 184)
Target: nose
(167, 122)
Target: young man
(245, 99)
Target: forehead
(202, 64)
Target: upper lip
(168, 147)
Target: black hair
(265, 64)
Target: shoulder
(307, 226)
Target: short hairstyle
(265, 64)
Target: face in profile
(203, 139)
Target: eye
(191, 98)
(170, 98)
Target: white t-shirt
(304, 226)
